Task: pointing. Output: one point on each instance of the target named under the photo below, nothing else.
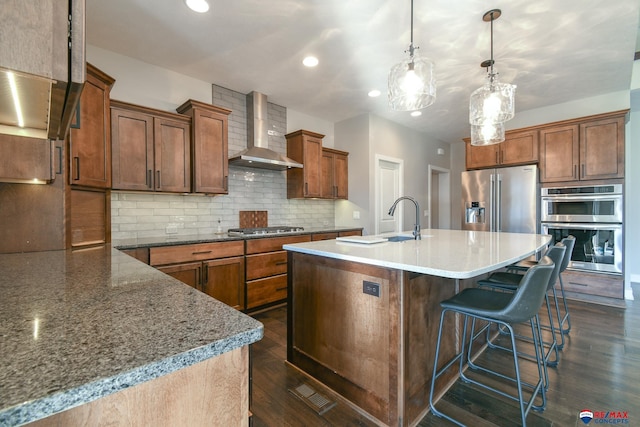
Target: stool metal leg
(537, 388)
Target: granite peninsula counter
(363, 318)
(78, 328)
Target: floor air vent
(313, 399)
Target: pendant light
(494, 102)
(487, 133)
(412, 84)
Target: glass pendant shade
(494, 102)
(487, 133)
(412, 85)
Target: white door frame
(444, 193)
(377, 212)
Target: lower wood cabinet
(596, 284)
(266, 271)
(216, 269)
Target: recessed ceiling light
(200, 6)
(310, 61)
(374, 93)
(416, 113)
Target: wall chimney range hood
(258, 154)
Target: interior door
(388, 189)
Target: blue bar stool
(511, 281)
(505, 309)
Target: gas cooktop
(263, 230)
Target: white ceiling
(554, 50)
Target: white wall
(144, 84)
(367, 136)
(297, 120)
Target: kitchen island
(363, 317)
(95, 337)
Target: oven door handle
(583, 226)
(608, 197)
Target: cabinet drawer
(351, 233)
(196, 252)
(265, 291)
(273, 244)
(323, 236)
(604, 285)
(265, 265)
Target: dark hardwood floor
(599, 370)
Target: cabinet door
(210, 157)
(327, 188)
(559, 154)
(89, 217)
(172, 154)
(224, 281)
(519, 148)
(602, 149)
(341, 176)
(189, 273)
(132, 150)
(312, 166)
(481, 156)
(89, 136)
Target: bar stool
(510, 282)
(569, 242)
(505, 309)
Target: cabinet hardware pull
(59, 171)
(205, 275)
(583, 170)
(306, 188)
(281, 263)
(158, 180)
(76, 160)
(201, 252)
(281, 289)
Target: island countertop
(76, 326)
(455, 254)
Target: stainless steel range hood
(258, 154)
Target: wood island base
(369, 333)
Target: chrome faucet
(416, 227)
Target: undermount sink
(399, 238)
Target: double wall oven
(593, 215)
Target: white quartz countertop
(455, 254)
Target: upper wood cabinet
(584, 149)
(519, 148)
(334, 174)
(304, 147)
(209, 146)
(150, 149)
(24, 159)
(89, 136)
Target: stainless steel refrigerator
(502, 199)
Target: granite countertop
(76, 326)
(172, 239)
(454, 254)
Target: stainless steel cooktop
(263, 230)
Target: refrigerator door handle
(492, 203)
(498, 203)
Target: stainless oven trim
(615, 268)
(615, 218)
